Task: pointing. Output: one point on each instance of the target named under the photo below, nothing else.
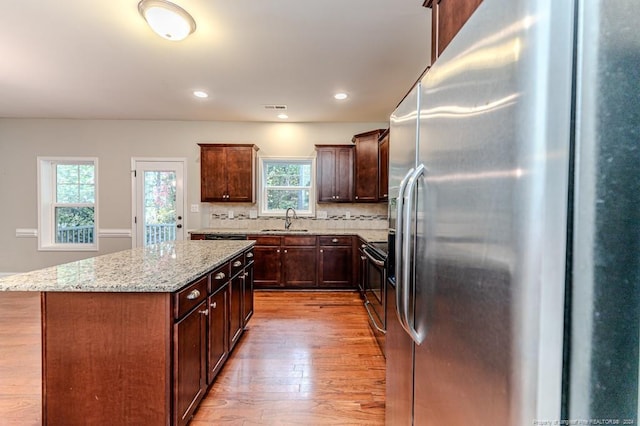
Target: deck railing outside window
(155, 233)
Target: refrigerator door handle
(405, 291)
(398, 254)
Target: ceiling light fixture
(341, 96)
(167, 19)
(283, 116)
(200, 94)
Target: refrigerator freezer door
(492, 218)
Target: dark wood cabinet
(227, 172)
(334, 175)
(383, 166)
(367, 162)
(190, 351)
(447, 18)
(267, 261)
(284, 261)
(218, 349)
(335, 261)
(236, 286)
(299, 261)
(247, 291)
(147, 358)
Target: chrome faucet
(287, 219)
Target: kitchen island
(137, 337)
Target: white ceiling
(98, 59)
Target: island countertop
(163, 267)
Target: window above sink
(287, 183)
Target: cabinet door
(326, 174)
(344, 175)
(299, 266)
(447, 18)
(213, 173)
(247, 295)
(383, 168)
(266, 272)
(218, 331)
(189, 363)
(366, 168)
(240, 166)
(235, 309)
(335, 267)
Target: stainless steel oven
(375, 290)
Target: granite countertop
(369, 235)
(164, 267)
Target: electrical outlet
(321, 214)
(347, 215)
(195, 208)
(230, 214)
(253, 214)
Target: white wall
(115, 142)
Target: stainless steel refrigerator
(514, 290)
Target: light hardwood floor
(307, 358)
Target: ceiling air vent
(276, 107)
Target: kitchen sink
(284, 230)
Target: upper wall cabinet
(447, 17)
(334, 176)
(383, 166)
(367, 166)
(227, 172)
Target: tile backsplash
(338, 216)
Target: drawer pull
(249, 255)
(214, 305)
(363, 245)
(237, 263)
(335, 240)
(194, 294)
(219, 276)
(205, 312)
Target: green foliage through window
(287, 184)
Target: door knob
(179, 226)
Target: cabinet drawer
(189, 297)
(219, 277)
(299, 241)
(265, 240)
(335, 240)
(237, 264)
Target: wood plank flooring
(306, 358)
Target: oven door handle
(373, 321)
(373, 260)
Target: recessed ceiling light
(283, 116)
(200, 94)
(167, 19)
(341, 96)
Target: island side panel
(106, 358)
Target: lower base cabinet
(140, 358)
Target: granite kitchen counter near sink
(369, 235)
(163, 267)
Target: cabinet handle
(278, 251)
(356, 197)
(337, 197)
(214, 305)
(205, 312)
(334, 197)
(363, 245)
(363, 258)
(219, 276)
(285, 251)
(385, 195)
(194, 294)
(335, 240)
(249, 255)
(237, 263)
(321, 251)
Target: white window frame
(47, 204)
(262, 199)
